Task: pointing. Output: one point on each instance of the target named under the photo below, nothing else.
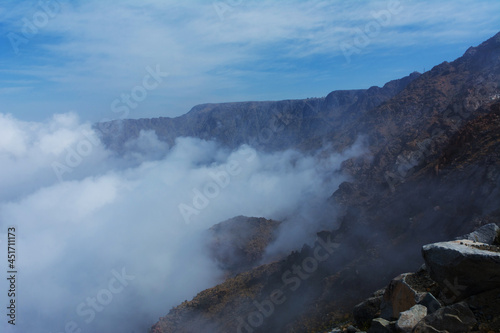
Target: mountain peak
(493, 41)
(492, 44)
(496, 38)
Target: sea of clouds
(109, 243)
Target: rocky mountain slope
(239, 244)
(432, 173)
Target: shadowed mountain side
(315, 288)
(412, 128)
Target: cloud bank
(105, 245)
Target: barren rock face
(463, 268)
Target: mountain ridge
(433, 172)
(235, 123)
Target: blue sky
(88, 56)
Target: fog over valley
(86, 215)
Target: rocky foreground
(456, 290)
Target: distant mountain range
(291, 123)
(432, 173)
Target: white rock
(410, 318)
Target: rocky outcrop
(409, 304)
(455, 265)
(405, 301)
(454, 318)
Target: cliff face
(268, 126)
(433, 173)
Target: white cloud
(28, 151)
(12, 141)
(112, 213)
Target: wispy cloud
(98, 48)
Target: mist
(109, 243)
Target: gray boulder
(410, 318)
(462, 268)
(399, 296)
(454, 318)
(430, 302)
(487, 234)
